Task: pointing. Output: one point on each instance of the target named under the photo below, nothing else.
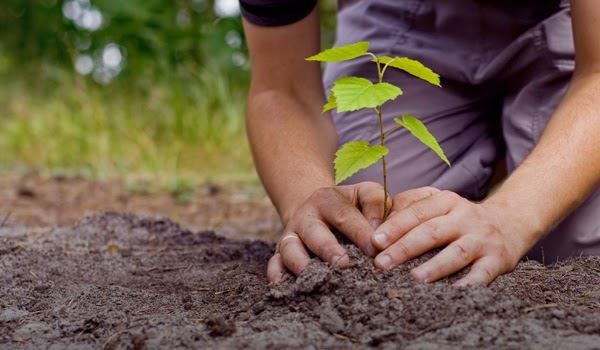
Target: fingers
(293, 254)
(319, 240)
(275, 268)
(341, 213)
(413, 215)
(453, 258)
(483, 272)
(353, 210)
(406, 198)
(431, 234)
(370, 196)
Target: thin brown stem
(380, 73)
(383, 164)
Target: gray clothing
(505, 67)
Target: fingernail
(384, 261)
(338, 261)
(375, 223)
(279, 278)
(420, 275)
(380, 238)
(335, 260)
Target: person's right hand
(354, 210)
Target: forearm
(563, 169)
(293, 147)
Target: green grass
(187, 126)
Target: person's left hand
(475, 233)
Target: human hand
(475, 233)
(354, 210)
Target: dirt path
(124, 282)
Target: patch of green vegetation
(188, 125)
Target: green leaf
(341, 53)
(413, 67)
(354, 93)
(331, 103)
(354, 156)
(420, 131)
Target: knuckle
(485, 270)
(309, 227)
(431, 189)
(433, 230)
(417, 212)
(451, 197)
(462, 251)
(491, 237)
(342, 215)
(402, 250)
(506, 258)
(371, 185)
(285, 245)
(295, 221)
(489, 230)
(498, 249)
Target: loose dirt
(116, 281)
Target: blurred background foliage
(137, 89)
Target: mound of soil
(117, 281)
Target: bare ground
(39, 203)
(116, 281)
(123, 281)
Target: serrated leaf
(412, 67)
(420, 131)
(341, 53)
(354, 156)
(354, 93)
(331, 103)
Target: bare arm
(495, 234)
(293, 143)
(568, 153)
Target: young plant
(354, 93)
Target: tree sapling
(354, 93)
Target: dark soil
(125, 282)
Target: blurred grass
(171, 119)
(185, 127)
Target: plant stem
(380, 73)
(383, 165)
(385, 67)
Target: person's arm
(293, 144)
(495, 234)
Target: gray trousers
(505, 66)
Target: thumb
(370, 198)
